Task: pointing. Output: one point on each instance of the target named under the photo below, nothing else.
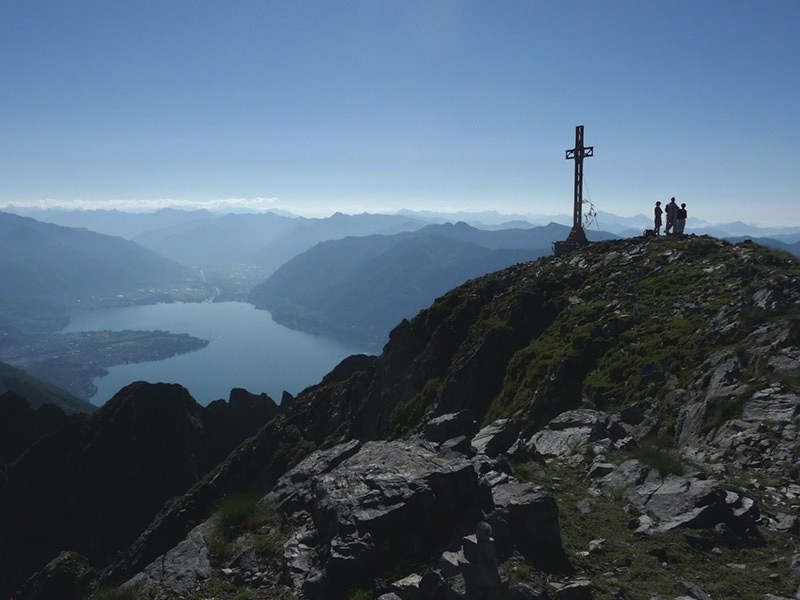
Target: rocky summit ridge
(621, 422)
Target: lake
(247, 350)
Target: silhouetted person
(657, 220)
(680, 219)
(672, 211)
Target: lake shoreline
(243, 348)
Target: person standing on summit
(680, 219)
(657, 218)
(672, 213)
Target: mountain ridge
(357, 288)
(629, 410)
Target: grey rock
(460, 444)
(597, 546)
(451, 425)
(576, 590)
(527, 591)
(642, 524)
(600, 469)
(406, 588)
(496, 438)
(691, 590)
(526, 519)
(448, 564)
(626, 476)
(572, 431)
(402, 492)
(771, 404)
(184, 568)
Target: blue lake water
(247, 349)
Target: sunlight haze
(314, 107)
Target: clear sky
(378, 105)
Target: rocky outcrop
(69, 576)
(387, 499)
(351, 510)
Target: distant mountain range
(358, 288)
(46, 267)
(351, 276)
(168, 220)
(200, 238)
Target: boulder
(526, 519)
(384, 498)
(572, 431)
(183, 569)
(682, 501)
(496, 438)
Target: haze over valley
(347, 278)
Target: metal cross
(578, 153)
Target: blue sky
(315, 107)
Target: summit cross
(578, 153)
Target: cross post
(577, 236)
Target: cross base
(575, 239)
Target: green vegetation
(659, 453)
(242, 513)
(407, 415)
(747, 574)
(721, 410)
(618, 334)
(120, 593)
(360, 593)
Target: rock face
(68, 576)
(21, 424)
(353, 509)
(94, 483)
(621, 422)
(403, 496)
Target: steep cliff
(93, 483)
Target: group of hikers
(676, 218)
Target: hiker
(680, 219)
(657, 222)
(671, 210)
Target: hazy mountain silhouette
(793, 248)
(44, 259)
(267, 239)
(220, 240)
(358, 288)
(116, 222)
